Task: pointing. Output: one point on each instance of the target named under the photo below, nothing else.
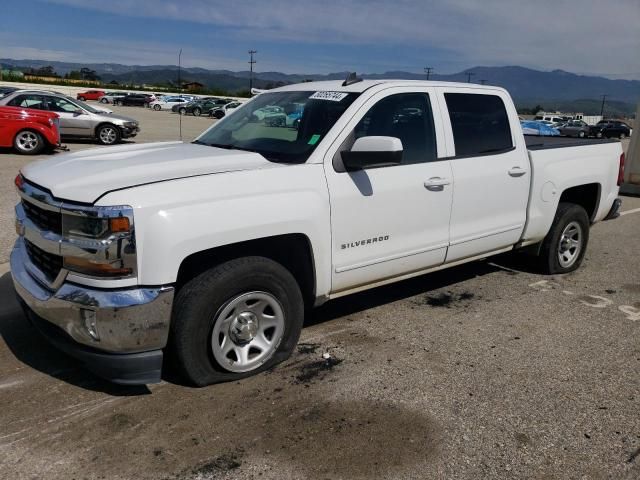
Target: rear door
(491, 171)
(391, 220)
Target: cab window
(406, 116)
(479, 122)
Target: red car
(90, 95)
(27, 130)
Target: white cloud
(574, 35)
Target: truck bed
(535, 142)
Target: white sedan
(166, 103)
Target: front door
(73, 120)
(394, 220)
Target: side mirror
(78, 112)
(373, 152)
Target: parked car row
(75, 119)
(577, 128)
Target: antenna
(351, 79)
(180, 90)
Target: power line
(469, 75)
(428, 70)
(251, 63)
(602, 106)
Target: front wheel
(235, 320)
(120, 103)
(104, 100)
(108, 134)
(581, 134)
(623, 136)
(564, 246)
(197, 112)
(28, 142)
(157, 108)
(82, 99)
(182, 111)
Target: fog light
(90, 323)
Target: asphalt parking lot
(488, 370)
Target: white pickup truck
(212, 250)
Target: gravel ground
(483, 371)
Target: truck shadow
(512, 263)
(28, 346)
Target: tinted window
(406, 116)
(27, 101)
(480, 123)
(60, 105)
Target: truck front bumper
(118, 334)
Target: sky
(592, 37)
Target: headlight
(131, 124)
(99, 241)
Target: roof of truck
(361, 86)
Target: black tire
(622, 136)
(196, 112)
(119, 103)
(199, 302)
(108, 134)
(28, 142)
(599, 135)
(157, 107)
(568, 215)
(104, 100)
(219, 114)
(82, 99)
(182, 111)
(582, 134)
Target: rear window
(480, 123)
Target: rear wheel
(218, 114)
(236, 319)
(108, 134)
(120, 103)
(197, 112)
(623, 136)
(104, 100)
(581, 134)
(28, 142)
(565, 245)
(157, 107)
(182, 111)
(81, 98)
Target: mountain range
(528, 87)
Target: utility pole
(179, 65)
(428, 70)
(469, 75)
(602, 106)
(251, 63)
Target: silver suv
(77, 119)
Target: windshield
(281, 126)
(86, 106)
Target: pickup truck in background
(213, 249)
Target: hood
(87, 175)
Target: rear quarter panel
(555, 170)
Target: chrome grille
(47, 263)
(44, 219)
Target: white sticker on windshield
(331, 96)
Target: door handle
(436, 184)
(517, 172)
